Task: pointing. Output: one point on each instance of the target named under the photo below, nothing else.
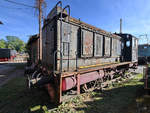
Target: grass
(112, 100)
(16, 98)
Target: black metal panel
(129, 47)
(5, 53)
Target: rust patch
(88, 43)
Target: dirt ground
(9, 71)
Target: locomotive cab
(129, 48)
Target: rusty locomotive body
(75, 53)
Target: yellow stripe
(81, 67)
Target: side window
(127, 43)
(98, 45)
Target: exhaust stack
(121, 26)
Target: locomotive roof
(74, 20)
(56, 12)
(125, 34)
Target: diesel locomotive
(77, 56)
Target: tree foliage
(2, 43)
(13, 42)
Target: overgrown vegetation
(13, 42)
(16, 98)
(112, 100)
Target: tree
(2, 43)
(15, 43)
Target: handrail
(60, 68)
(67, 6)
(59, 2)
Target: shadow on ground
(110, 101)
(16, 98)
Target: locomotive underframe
(106, 72)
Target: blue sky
(22, 21)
